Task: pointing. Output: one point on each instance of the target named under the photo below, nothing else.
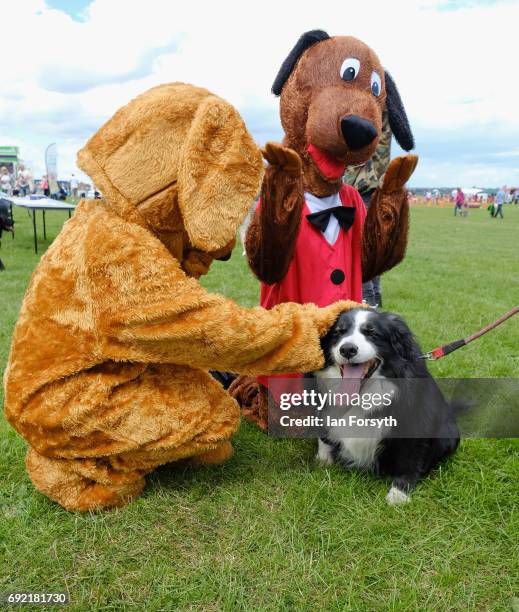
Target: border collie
(375, 348)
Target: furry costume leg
(217, 455)
(66, 481)
(62, 481)
(113, 478)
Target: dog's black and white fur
(384, 343)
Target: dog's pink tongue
(351, 378)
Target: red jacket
(319, 272)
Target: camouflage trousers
(371, 290)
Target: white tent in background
(475, 193)
(472, 191)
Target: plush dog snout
(348, 350)
(357, 132)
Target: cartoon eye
(350, 69)
(376, 84)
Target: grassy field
(270, 530)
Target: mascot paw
(220, 454)
(285, 158)
(398, 173)
(252, 398)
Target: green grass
(271, 531)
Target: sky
(68, 65)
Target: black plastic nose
(348, 350)
(357, 132)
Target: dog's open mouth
(329, 166)
(360, 370)
(353, 375)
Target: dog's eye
(368, 331)
(376, 84)
(350, 69)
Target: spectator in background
(500, 200)
(74, 186)
(6, 184)
(366, 179)
(23, 181)
(460, 201)
(45, 185)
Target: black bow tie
(344, 215)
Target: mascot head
(333, 91)
(179, 161)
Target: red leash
(441, 351)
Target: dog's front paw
(324, 454)
(396, 497)
(324, 459)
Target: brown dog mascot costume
(108, 372)
(332, 95)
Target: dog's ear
(397, 116)
(305, 42)
(401, 338)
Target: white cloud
(455, 70)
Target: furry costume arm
(151, 312)
(272, 234)
(387, 222)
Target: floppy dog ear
(219, 175)
(305, 42)
(397, 116)
(401, 338)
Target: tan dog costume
(107, 377)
